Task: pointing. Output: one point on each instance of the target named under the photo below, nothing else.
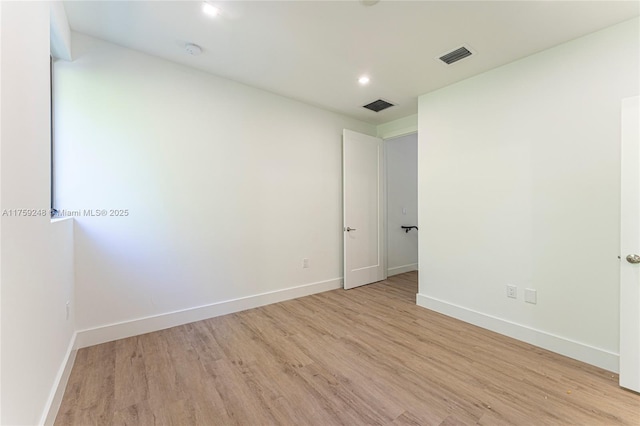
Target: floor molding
(59, 385)
(576, 350)
(121, 330)
(402, 269)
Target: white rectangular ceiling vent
(456, 55)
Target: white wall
(402, 203)
(519, 183)
(228, 188)
(37, 255)
(400, 127)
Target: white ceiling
(314, 51)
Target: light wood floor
(367, 356)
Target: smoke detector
(193, 49)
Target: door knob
(633, 258)
(353, 229)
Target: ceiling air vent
(456, 55)
(379, 105)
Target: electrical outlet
(530, 295)
(68, 308)
(512, 291)
(305, 263)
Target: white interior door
(363, 180)
(630, 248)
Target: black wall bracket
(409, 228)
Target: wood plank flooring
(367, 356)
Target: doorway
(380, 203)
(401, 159)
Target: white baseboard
(59, 386)
(570, 348)
(121, 330)
(402, 269)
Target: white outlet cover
(512, 291)
(530, 295)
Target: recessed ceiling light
(363, 80)
(210, 9)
